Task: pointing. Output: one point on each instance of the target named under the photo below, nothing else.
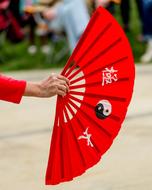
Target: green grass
(17, 58)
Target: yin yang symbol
(103, 109)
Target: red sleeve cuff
(11, 90)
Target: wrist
(33, 89)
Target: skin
(49, 14)
(53, 85)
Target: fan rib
(61, 119)
(67, 151)
(88, 117)
(89, 48)
(94, 144)
(95, 84)
(83, 128)
(52, 157)
(82, 39)
(54, 139)
(98, 96)
(71, 128)
(116, 118)
(95, 58)
(97, 70)
(61, 153)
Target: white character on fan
(109, 75)
(87, 137)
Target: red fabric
(11, 90)
(101, 69)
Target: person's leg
(111, 8)
(125, 13)
(32, 25)
(139, 4)
(140, 8)
(71, 20)
(147, 20)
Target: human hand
(49, 14)
(53, 85)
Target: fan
(101, 73)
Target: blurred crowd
(49, 19)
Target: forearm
(32, 89)
(12, 90)
(51, 86)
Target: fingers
(63, 88)
(55, 85)
(61, 93)
(64, 79)
(63, 83)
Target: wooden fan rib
(88, 117)
(89, 48)
(97, 70)
(82, 39)
(54, 139)
(72, 131)
(95, 58)
(98, 96)
(52, 149)
(61, 153)
(65, 140)
(81, 158)
(116, 118)
(84, 128)
(61, 119)
(93, 84)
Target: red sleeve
(11, 90)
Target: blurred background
(36, 38)
(37, 34)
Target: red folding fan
(89, 117)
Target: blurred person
(31, 20)
(9, 24)
(91, 6)
(72, 16)
(125, 8)
(12, 90)
(147, 30)
(14, 7)
(4, 22)
(108, 4)
(28, 20)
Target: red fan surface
(101, 73)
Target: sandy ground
(25, 132)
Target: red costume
(4, 21)
(11, 90)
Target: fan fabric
(101, 73)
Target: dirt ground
(25, 132)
